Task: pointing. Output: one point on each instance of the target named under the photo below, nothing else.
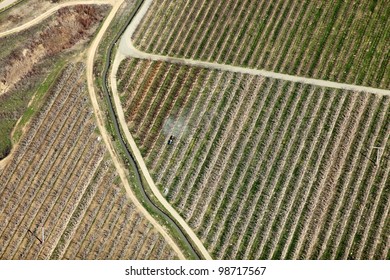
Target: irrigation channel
(128, 154)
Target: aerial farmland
(343, 41)
(173, 130)
(296, 159)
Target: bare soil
(69, 27)
(26, 58)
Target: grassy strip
(134, 182)
(234, 160)
(106, 45)
(147, 84)
(10, 6)
(15, 108)
(260, 188)
(168, 157)
(38, 99)
(175, 94)
(315, 124)
(244, 169)
(17, 111)
(204, 137)
(351, 195)
(277, 178)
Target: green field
(343, 41)
(26, 73)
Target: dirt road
(98, 113)
(6, 3)
(137, 154)
(133, 52)
(105, 135)
(142, 166)
(126, 48)
(52, 11)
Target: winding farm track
(51, 11)
(133, 146)
(127, 49)
(189, 239)
(6, 3)
(98, 112)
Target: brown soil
(23, 13)
(68, 27)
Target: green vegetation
(10, 6)
(27, 91)
(13, 105)
(177, 235)
(23, 103)
(343, 41)
(263, 168)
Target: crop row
(60, 196)
(261, 168)
(333, 40)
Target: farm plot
(263, 168)
(343, 41)
(60, 196)
(30, 59)
(26, 11)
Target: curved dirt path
(142, 166)
(97, 111)
(105, 135)
(6, 3)
(51, 11)
(126, 49)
